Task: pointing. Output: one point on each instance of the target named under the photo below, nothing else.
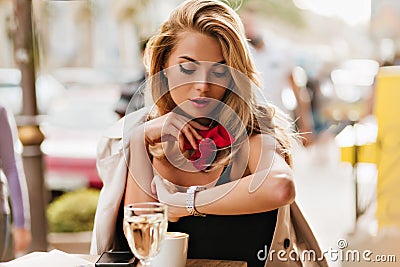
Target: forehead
(198, 46)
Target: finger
(179, 127)
(181, 141)
(197, 125)
(194, 132)
(190, 137)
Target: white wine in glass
(145, 225)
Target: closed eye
(186, 71)
(220, 74)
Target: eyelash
(189, 72)
(220, 74)
(185, 71)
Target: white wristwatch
(190, 195)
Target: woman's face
(197, 74)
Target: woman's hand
(22, 238)
(167, 194)
(173, 127)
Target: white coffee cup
(173, 251)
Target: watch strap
(190, 200)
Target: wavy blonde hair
(216, 19)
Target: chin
(197, 113)
(194, 112)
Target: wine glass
(145, 225)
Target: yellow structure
(365, 153)
(387, 112)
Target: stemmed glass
(145, 225)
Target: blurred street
(325, 193)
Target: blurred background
(88, 53)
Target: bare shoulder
(265, 154)
(262, 151)
(262, 141)
(265, 142)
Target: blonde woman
(206, 148)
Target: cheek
(218, 92)
(178, 94)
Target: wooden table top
(214, 263)
(191, 262)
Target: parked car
(74, 114)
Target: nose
(201, 83)
(202, 86)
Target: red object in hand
(217, 137)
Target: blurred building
(101, 34)
(385, 19)
(385, 30)
(321, 41)
(106, 34)
(6, 25)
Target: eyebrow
(198, 63)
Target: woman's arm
(270, 186)
(140, 171)
(170, 126)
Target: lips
(200, 102)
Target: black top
(224, 237)
(229, 237)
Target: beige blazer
(293, 243)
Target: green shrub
(73, 211)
